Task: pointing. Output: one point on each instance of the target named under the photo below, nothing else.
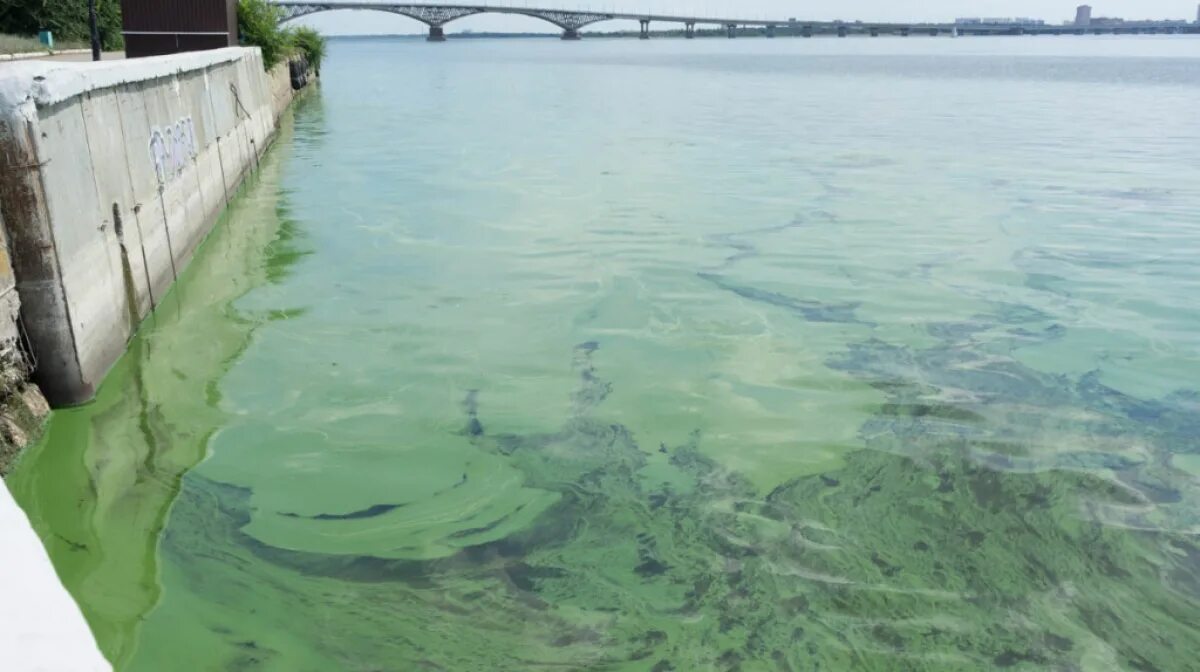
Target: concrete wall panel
(146, 205)
(227, 101)
(90, 280)
(140, 187)
(114, 193)
(159, 145)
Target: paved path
(86, 56)
(72, 56)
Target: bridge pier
(731, 30)
(645, 35)
(689, 30)
(570, 34)
(843, 31)
(436, 34)
(770, 31)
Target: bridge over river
(571, 21)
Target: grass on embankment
(20, 44)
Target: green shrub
(312, 44)
(258, 24)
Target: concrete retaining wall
(110, 175)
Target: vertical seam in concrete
(244, 127)
(212, 109)
(163, 204)
(196, 167)
(137, 218)
(62, 289)
(177, 86)
(84, 99)
(167, 230)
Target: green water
(712, 355)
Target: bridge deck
(438, 14)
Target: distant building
(154, 27)
(1083, 16)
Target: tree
(67, 19)
(258, 23)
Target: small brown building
(155, 27)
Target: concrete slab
(41, 627)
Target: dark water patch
(1008, 313)
(811, 311)
(73, 545)
(1047, 282)
(1010, 657)
(1085, 460)
(369, 512)
(1053, 332)
(1153, 486)
(484, 529)
(591, 391)
(649, 564)
(955, 331)
(1140, 195)
(1080, 258)
(471, 406)
(1185, 577)
(280, 314)
(949, 412)
(746, 250)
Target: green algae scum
(885, 361)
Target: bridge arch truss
(436, 16)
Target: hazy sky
(867, 10)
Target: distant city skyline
(373, 23)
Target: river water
(709, 355)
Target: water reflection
(100, 487)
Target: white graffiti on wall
(172, 148)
